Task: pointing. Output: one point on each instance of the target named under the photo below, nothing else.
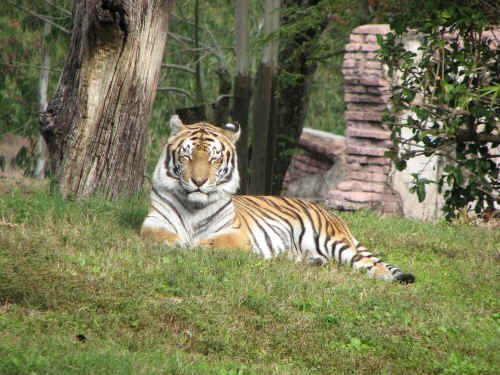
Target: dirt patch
(10, 145)
(23, 184)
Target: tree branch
(39, 16)
(179, 67)
(63, 10)
(179, 90)
(37, 67)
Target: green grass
(70, 268)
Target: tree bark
(95, 124)
(242, 90)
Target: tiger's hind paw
(405, 278)
(314, 261)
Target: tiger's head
(199, 163)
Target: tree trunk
(42, 153)
(271, 135)
(222, 102)
(242, 90)
(260, 111)
(262, 127)
(200, 99)
(296, 74)
(95, 124)
(273, 111)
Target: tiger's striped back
(279, 224)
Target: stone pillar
(367, 91)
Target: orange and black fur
(193, 204)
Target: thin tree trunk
(271, 135)
(42, 152)
(261, 111)
(200, 100)
(242, 90)
(222, 102)
(95, 124)
(273, 114)
(364, 13)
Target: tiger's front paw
(161, 235)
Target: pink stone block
(352, 185)
(364, 176)
(351, 47)
(373, 81)
(361, 196)
(372, 168)
(371, 39)
(355, 89)
(356, 38)
(373, 65)
(368, 151)
(368, 160)
(363, 116)
(363, 98)
(368, 133)
(372, 29)
(350, 63)
(369, 47)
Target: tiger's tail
(360, 258)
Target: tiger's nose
(199, 181)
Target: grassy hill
(82, 293)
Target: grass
(82, 293)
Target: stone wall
(318, 167)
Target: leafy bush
(450, 89)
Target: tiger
(193, 203)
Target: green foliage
(326, 104)
(20, 45)
(17, 84)
(73, 268)
(450, 89)
(21, 41)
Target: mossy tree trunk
(96, 122)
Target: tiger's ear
(176, 125)
(232, 131)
